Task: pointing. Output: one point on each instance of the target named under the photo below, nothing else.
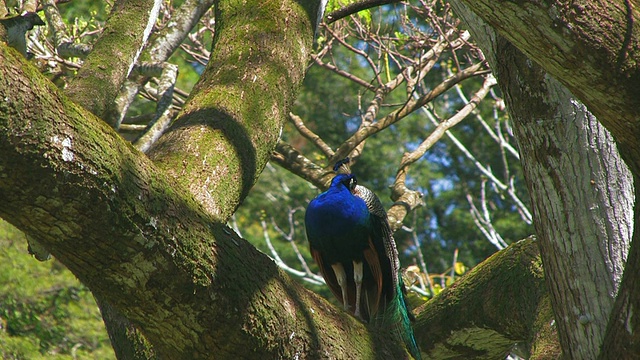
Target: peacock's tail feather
(398, 319)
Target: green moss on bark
(227, 130)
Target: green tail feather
(397, 317)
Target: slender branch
(346, 75)
(495, 135)
(411, 106)
(310, 135)
(65, 47)
(356, 7)
(164, 114)
(374, 68)
(290, 238)
(281, 264)
(483, 219)
(486, 171)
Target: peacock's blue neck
(338, 212)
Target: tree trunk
(581, 190)
(589, 46)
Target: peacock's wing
(382, 255)
(394, 308)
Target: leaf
(459, 268)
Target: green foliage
(45, 312)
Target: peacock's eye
(352, 183)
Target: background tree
(397, 60)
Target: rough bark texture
(592, 48)
(143, 244)
(226, 132)
(582, 195)
(475, 326)
(107, 67)
(127, 341)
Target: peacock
(351, 241)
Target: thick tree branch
(142, 243)
(494, 313)
(114, 55)
(592, 48)
(227, 130)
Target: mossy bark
(489, 310)
(108, 65)
(593, 48)
(229, 126)
(142, 243)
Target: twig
(310, 135)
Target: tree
(147, 234)
(611, 57)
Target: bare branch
(65, 47)
(356, 7)
(310, 135)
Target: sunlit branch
(495, 135)
(452, 273)
(289, 236)
(185, 17)
(442, 127)
(317, 59)
(159, 50)
(356, 7)
(364, 55)
(411, 106)
(482, 219)
(317, 280)
(164, 113)
(421, 260)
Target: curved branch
(226, 132)
(310, 135)
(114, 55)
(351, 9)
